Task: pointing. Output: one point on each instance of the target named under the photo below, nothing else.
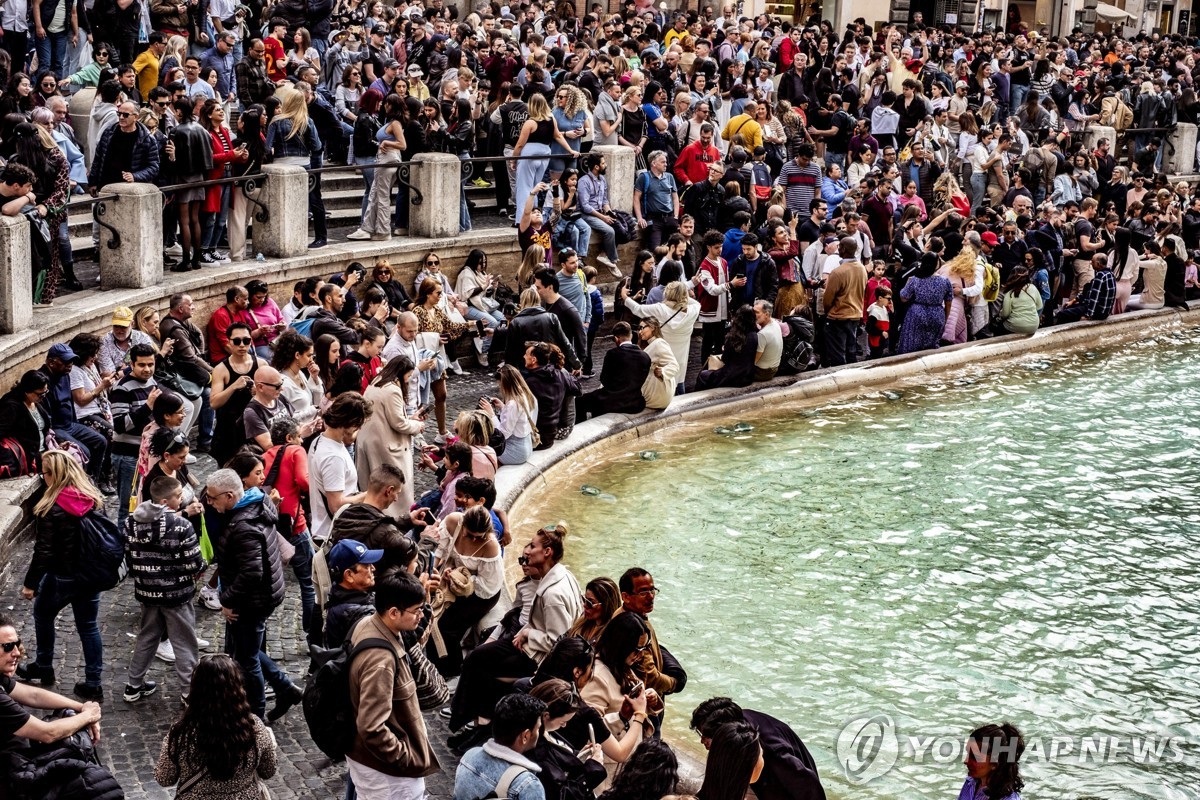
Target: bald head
(407, 324)
(127, 116)
(268, 384)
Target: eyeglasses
(212, 499)
(276, 386)
(8, 647)
(241, 341)
(42, 392)
(649, 591)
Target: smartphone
(431, 561)
(637, 689)
(591, 735)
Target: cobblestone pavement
(133, 733)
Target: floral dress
(926, 316)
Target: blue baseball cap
(348, 553)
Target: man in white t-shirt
(332, 476)
(770, 341)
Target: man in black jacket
(187, 358)
(625, 369)
(547, 284)
(533, 323)
(327, 319)
(789, 772)
(251, 586)
(350, 599)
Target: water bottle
(260, 258)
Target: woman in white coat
(659, 386)
(386, 436)
(676, 316)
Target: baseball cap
(391, 63)
(122, 316)
(415, 69)
(989, 238)
(961, 85)
(62, 352)
(348, 553)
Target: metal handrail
(99, 205)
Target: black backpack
(102, 562)
(327, 707)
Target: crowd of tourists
(807, 197)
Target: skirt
(191, 194)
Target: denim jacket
(482, 767)
(305, 145)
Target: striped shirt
(800, 185)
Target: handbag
(167, 376)
(70, 448)
(714, 363)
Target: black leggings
(480, 686)
(460, 617)
(713, 341)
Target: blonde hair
(177, 46)
(630, 92)
(530, 299)
(539, 109)
(61, 471)
(676, 295)
(293, 108)
(513, 387)
(533, 260)
(963, 264)
(474, 427)
(576, 102)
(139, 319)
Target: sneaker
(30, 672)
(284, 701)
(207, 258)
(399, 231)
(165, 652)
(607, 262)
(481, 183)
(203, 644)
(482, 358)
(358, 236)
(269, 692)
(455, 367)
(85, 692)
(317, 244)
(174, 250)
(107, 487)
(210, 599)
(220, 258)
(445, 712)
(134, 693)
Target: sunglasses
(241, 341)
(276, 386)
(432, 262)
(8, 647)
(126, 114)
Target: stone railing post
(622, 167)
(1183, 160)
(16, 299)
(136, 215)
(284, 191)
(1094, 133)
(438, 177)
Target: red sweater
(291, 483)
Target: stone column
(136, 213)
(438, 177)
(1183, 160)
(622, 166)
(1094, 133)
(284, 191)
(16, 276)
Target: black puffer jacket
(251, 569)
(344, 608)
(56, 546)
(367, 525)
(536, 325)
(65, 770)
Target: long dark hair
(1017, 281)
(217, 724)
(619, 640)
(649, 774)
(1123, 237)
(253, 123)
(741, 325)
(325, 368)
(731, 761)
(569, 654)
(394, 371)
(1002, 745)
(290, 344)
(30, 151)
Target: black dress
(738, 369)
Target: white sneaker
(210, 599)
(606, 261)
(174, 250)
(165, 652)
(358, 236)
(220, 258)
(455, 367)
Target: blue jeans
(54, 594)
(368, 179)
(978, 190)
(243, 641)
(574, 234)
(52, 52)
(1016, 94)
(302, 566)
(124, 468)
(490, 320)
(214, 224)
(608, 237)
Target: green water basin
(1011, 544)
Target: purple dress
(926, 316)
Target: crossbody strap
(187, 785)
(506, 780)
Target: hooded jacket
(251, 568)
(164, 555)
(56, 547)
(343, 608)
(366, 524)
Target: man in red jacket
(692, 164)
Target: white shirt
(770, 344)
(398, 346)
(15, 16)
(330, 469)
